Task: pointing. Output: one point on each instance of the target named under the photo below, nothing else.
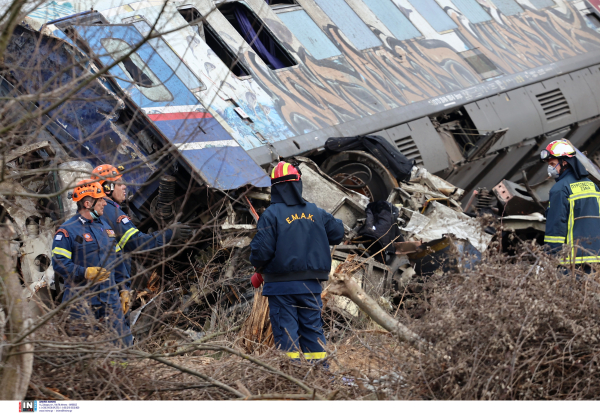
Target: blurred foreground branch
(15, 369)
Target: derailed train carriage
(468, 89)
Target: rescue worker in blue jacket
(129, 238)
(84, 253)
(573, 214)
(291, 252)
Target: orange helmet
(284, 172)
(108, 173)
(88, 187)
(558, 149)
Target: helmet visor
(545, 155)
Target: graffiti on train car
(403, 72)
(318, 93)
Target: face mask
(553, 172)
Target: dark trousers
(297, 324)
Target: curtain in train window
(433, 13)
(256, 34)
(508, 7)
(472, 10)
(309, 34)
(349, 23)
(393, 18)
(137, 70)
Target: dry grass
(511, 328)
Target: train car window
(508, 7)
(257, 35)
(542, 4)
(472, 10)
(282, 6)
(309, 34)
(349, 23)
(435, 16)
(392, 17)
(212, 39)
(137, 70)
(481, 64)
(592, 21)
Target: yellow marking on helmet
(285, 168)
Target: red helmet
(87, 187)
(284, 172)
(558, 149)
(108, 173)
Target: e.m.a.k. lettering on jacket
(292, 242)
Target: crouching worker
(84, 253)
(291, 251)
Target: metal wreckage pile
(421, 227)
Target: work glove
(256, 280)
(97, 274)
(125, 301)
(181, 232)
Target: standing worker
(291, 251)
(573, 214)
(128, 236)
(84, 251)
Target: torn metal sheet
(434, 182)
(518, 222)
(515, 199)
(444, 220)
(320, 189)
(416, 223)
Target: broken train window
(212, 39)
(257, 35)
(137, 70)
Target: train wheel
(362, 173)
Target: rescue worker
(291, 252)
(128, 236)
(84, 251)
(573, 214)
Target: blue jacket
(80, 243)
(292, 242)
(128, 236)
(573, 218)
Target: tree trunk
(342, 283)
(15, 369)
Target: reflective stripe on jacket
(80, 243)
(128, 236)
(573, 218)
